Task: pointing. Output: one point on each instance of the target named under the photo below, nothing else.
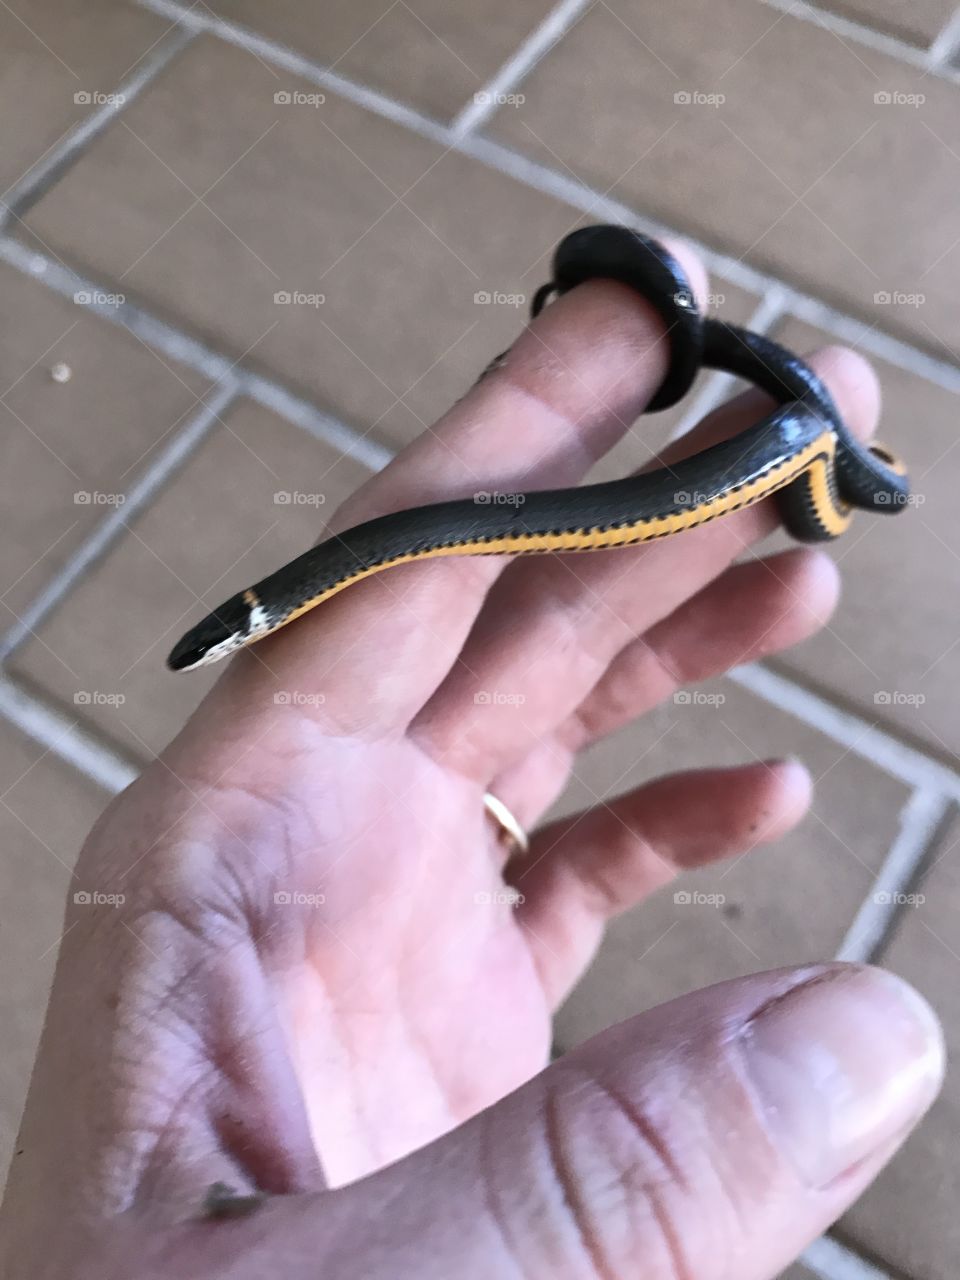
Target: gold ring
(510, 829)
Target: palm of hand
(323, 880)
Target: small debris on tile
(61, 372)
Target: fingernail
(841, 1065)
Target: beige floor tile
(46, 813)
(91, 435)
(922, 1239)
(786, 904)
(429, 54)
(798, 168)
(53, 52)
(892, 645)
(919, 22)
(397, 236)
(216, 529)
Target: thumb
(713, 1136)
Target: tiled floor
(400, 160)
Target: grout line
(517, 67)
(571, 191)
(720, 386)
(883, 750)
(920, 819)
(65, 738)
(202, 19)
(50, 168)
(859, 736)
(324, 427)
(195, 355)
(770, 310)
(847, 29)
(112, 771)
(114, 525)
(831, 1260)
(884, 346)
(946, 44)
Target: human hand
(316, 963)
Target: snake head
(219, 634)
